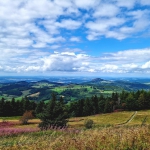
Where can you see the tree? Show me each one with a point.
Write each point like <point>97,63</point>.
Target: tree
<point>54,115</point>
<point>40,107</point>
<point>26,116</point>
<point>95,104</point>
<point>131,102</point>
<point>101,103</point>
<point>87,107</point>
<point>108,106</point>
<point>2,103</point>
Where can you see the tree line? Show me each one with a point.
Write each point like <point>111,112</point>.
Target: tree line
<point>125,100</point>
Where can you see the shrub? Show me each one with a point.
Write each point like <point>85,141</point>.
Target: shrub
<point>88,123</point>
<point>26,116</point>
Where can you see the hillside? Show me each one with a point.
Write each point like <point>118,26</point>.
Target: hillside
<point>71,91</point>
<point>106,134</point>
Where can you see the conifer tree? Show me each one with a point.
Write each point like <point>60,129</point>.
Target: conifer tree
<point>54,115</point>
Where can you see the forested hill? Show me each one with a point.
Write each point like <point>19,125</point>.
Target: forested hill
<point>69,90</point>
<point>138,100</point>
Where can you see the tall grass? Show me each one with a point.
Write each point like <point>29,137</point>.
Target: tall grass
<point>112,138</point>
<point>106,135</point>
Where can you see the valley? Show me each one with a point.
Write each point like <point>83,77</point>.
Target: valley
<point>70,89</point>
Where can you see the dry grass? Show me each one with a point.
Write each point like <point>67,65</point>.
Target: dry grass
<point>140,116</point>
<point>102,119</point>
<point>131,137</point>
<point>112,138</point>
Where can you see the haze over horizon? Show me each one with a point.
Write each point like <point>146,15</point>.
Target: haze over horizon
<point>75,37</point>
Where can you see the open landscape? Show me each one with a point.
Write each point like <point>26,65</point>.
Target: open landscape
<point>96,114</point>
<point>69,88</point>
<point>109,131</point>
<point>74,74</point>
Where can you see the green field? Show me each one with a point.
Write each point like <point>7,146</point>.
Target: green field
<point>70,92</point>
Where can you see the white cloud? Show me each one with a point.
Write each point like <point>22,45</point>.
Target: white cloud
<point>75,39</point>
<point>69,24</point>
<point>130,66</point>
<point>130,56</point>
<point>125,3</point>
<point>26,23</point>
<point>145,2</point>
<point>129,61</point>
<point>86,4</point>
<point>140,24</point>
<point>146,65</point>
<point>65,61</point>
<point>102,27</point>
<point>30,30</point>
<point>106,10</point>
<point>109,68</point>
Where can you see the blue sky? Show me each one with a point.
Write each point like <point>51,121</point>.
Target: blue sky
<point>75,37</point>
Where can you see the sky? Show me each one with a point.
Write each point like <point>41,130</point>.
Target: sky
<point>75,37</point>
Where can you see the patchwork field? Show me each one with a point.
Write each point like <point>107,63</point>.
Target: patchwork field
<point>70,91</point>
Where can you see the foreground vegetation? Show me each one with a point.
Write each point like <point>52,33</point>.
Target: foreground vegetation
<point>125,130</point>
<point>118,138</point>
<point>106,134</point>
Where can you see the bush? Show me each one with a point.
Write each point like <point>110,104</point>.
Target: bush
<point>26,116</point>
<point>88,123</point>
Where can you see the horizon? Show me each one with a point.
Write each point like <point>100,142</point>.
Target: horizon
<point>75,38</point>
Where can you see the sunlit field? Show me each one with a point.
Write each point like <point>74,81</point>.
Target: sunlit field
<point>110,131</point>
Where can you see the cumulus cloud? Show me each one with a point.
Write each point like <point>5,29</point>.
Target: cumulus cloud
<point>65,61</point>
<point>28,23</point>
<point>129,61</point>
<point>102,26</point>
<point>106,10</point>
<point>30,30</point>
<point>146,65</point>
<point>111,21</point>
<point>69,24</point>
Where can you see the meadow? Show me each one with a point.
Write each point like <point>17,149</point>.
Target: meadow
<point>106,134</point>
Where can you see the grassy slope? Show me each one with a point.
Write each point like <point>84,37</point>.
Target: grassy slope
<point>101,137</point>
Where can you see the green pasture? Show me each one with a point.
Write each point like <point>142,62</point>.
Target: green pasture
<point>73,87</point>
<point>26,92</point>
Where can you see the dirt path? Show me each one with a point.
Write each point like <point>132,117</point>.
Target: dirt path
<point>129,120</point>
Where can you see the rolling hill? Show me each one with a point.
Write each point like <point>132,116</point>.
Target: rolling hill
<point>42,89</point>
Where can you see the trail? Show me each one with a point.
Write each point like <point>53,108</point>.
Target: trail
<point>131,117</point>
<point>129,120</point>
